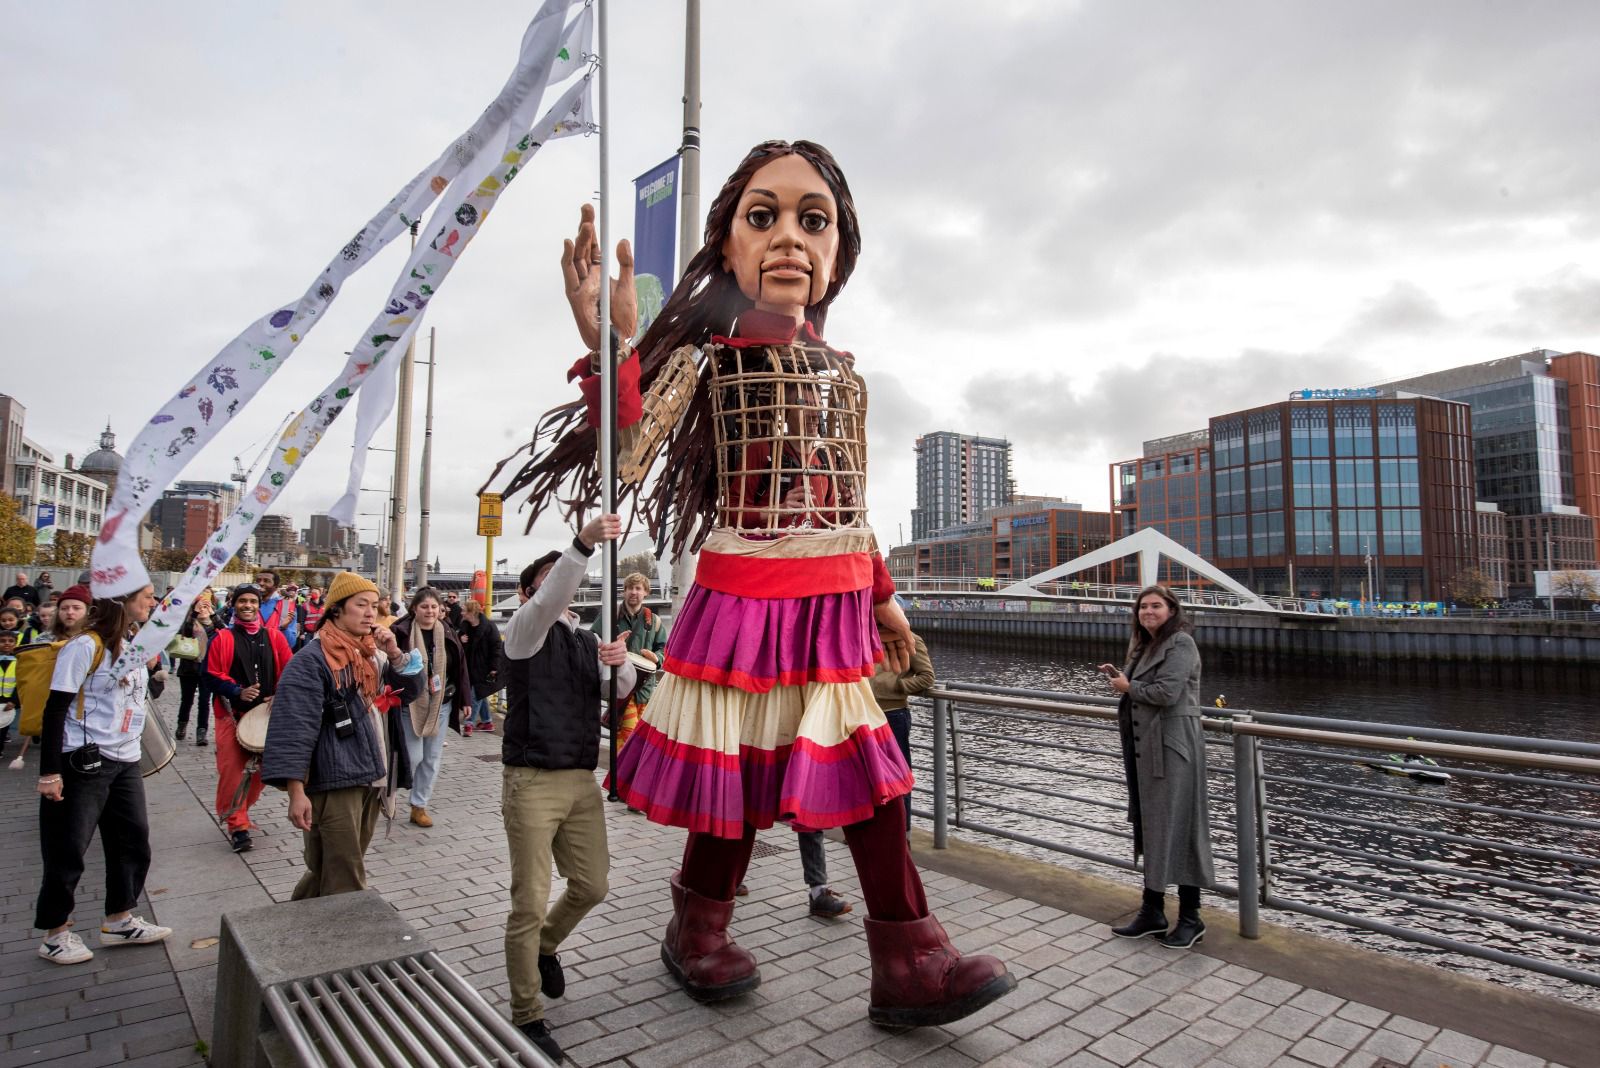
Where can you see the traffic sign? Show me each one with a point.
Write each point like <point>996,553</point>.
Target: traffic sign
<point>488,515</point>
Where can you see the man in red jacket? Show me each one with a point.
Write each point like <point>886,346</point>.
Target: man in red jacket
<point>244,662</point>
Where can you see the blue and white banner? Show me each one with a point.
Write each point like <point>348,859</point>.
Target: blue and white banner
<point>45,517</point>
<point>655,238</point>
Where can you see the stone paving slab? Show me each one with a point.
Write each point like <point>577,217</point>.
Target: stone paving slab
<point>1084,997</point>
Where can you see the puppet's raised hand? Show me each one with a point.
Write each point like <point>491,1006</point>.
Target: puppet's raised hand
<point>582,268</point>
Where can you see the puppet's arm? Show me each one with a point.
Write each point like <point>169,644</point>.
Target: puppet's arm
<point>643,422</point>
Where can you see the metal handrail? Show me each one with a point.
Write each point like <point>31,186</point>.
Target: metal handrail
<point>1300,737</point>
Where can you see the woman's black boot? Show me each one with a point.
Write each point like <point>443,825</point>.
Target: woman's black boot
<point>1151,919</point>
<point>1189,929</point>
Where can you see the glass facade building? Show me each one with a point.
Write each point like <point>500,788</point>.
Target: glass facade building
<point>1338,498</point>
<point>1168,488</point>
<point>1536,443</point>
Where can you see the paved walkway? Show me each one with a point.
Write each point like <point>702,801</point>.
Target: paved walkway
<point>1085,998</point>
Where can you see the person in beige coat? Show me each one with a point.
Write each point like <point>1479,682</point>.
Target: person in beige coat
<point>445,697</point>
<point>1164,754</point>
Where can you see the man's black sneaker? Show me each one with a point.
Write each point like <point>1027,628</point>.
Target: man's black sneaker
<point>540,1036</point>
<point>829,905</point>
<point>200,736</point>
<point>552,980</point>
<point>181,732</point>
<point>240,840</point>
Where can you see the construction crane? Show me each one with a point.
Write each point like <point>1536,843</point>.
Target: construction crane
<point>240,475</point>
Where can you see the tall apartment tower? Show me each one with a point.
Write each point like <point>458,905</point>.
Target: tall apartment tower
<point>959,476</point>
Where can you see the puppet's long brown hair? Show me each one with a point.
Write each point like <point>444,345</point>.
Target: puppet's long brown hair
<point>706,301</point>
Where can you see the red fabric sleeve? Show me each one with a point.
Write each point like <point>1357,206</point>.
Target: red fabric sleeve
<point>882,584</point>
<point>219,657</point>
<point>630,406</point>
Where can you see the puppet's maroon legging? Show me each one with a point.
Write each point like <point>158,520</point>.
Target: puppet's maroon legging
<point>713,867</point>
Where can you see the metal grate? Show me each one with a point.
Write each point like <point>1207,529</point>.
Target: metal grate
<point>762,849</point>
<point>413,1012</point>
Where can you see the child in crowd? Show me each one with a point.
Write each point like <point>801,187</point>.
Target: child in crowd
<point>8,684</point>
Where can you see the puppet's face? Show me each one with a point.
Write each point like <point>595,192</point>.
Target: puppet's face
<point>784,242</point>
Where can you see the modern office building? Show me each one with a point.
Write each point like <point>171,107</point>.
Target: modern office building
<point>1558,540</point>
<point>1343,497</point>
<point>964,552</point>
<point>190,512</point>
<point>1536,442</point>
<point>959,477</point>
<point>1492,559</point>
<point>1034,536</point>
<point>326,536</point>
<point>1169,488</point>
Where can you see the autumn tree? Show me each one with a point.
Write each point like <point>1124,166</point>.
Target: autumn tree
<point>67,550</point>
<point>1574,585</point>
<point>16,533</point>
<point>643,563</point>
<point>1472,586</point>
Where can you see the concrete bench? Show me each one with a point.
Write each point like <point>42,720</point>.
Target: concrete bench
<point>345,981</point>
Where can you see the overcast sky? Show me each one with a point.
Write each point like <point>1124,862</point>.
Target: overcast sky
<point>1085,224</point>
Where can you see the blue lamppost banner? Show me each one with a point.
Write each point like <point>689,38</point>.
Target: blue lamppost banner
<point>46,517</point>
<point>655,238</point>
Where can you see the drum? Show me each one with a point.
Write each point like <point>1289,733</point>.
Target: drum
<point>641,662</point>
<point>157,747</point>
<point>252,731</point>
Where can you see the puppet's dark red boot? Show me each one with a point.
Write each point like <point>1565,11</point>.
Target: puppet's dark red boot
<point>699,953</point>
<point>919,979</point>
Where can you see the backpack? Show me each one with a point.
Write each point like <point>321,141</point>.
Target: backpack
<point>36,666</point>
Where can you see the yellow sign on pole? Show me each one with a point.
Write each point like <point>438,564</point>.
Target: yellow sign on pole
<point>488,515</point>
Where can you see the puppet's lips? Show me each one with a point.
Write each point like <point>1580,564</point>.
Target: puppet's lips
<point>787,265</point>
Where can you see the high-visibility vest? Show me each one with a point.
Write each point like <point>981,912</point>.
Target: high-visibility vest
<point>8,677</point>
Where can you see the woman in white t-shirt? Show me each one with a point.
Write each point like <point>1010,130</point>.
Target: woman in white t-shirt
<point>89,777</point>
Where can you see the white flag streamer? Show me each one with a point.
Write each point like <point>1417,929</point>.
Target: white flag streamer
<point>379,399</point>
<point>578,120</point>
<point>168,442</point>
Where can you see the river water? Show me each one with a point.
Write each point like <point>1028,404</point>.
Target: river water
<point>1327,802</point>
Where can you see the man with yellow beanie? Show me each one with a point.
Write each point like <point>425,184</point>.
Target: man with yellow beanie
<point>335,740</point>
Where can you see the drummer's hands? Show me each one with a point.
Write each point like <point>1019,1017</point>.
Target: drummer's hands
<point>615,654</point>
<point>582,267</point>
<point>899,643</point>
<point>251,692</point>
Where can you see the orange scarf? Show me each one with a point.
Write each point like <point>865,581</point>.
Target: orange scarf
<point>343,650</point>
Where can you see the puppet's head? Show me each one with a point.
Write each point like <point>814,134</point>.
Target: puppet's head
<point>712,282</point>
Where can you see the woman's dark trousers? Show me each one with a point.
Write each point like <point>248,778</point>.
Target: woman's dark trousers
<point>111,799</point>
<point>190,687</point>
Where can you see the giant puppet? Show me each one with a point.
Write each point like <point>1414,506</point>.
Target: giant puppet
<point>765,713</point>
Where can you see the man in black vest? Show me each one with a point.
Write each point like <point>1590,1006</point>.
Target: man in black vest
<point>550,802</point>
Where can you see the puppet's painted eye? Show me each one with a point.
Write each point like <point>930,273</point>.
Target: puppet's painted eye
<point>761,218</point>
<point>815,222</point>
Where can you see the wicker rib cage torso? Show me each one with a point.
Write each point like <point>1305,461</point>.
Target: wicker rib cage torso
<point>791,437</point>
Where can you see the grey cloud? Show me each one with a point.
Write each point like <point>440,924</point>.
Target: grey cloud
<point>1567,306</point>
<point>1127,405</point>
<point>1106,147</point>
<point>1405,309</point>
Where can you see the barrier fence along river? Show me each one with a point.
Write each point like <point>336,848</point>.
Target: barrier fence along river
<point>1501,864</point>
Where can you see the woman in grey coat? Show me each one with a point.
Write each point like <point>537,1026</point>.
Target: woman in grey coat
<point>1164,754</point>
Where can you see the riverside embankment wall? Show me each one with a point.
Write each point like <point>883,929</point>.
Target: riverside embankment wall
<point>1353,638</point>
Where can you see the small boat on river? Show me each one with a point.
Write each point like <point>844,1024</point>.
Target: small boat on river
<point>1424,769</point>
